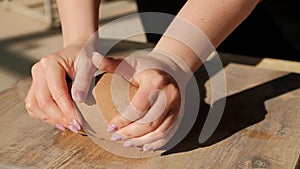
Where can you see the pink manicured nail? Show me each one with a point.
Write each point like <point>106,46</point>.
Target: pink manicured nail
<point>127,144</point>
<point>97,58</point>
<point>73,129</point>
<point>147,149</point>
<point>116,137</point>
<point>80,96</point>
<point>76,124</point>
<point>60,127</point>
<point>111,128</point>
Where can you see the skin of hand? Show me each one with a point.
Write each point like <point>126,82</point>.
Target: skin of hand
<point>146,122</point>
<point>49,97</point>
<point>216,19</point>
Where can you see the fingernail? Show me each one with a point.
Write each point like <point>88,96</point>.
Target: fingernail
<point>76,124</point>
<point>80,96</point>
<point>111,128</point>
<point>147,149</point>
<point>115,137</point>
<point>73,129</point>
<point>127,144</point>
<point>60,127</point>
<point>97,58</point>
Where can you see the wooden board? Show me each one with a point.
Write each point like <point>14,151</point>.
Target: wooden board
<point>259,129</point>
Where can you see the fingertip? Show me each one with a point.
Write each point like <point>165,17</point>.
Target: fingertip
<point>60,127</point>
<point>112,128</point>
<point>97,58</point>
<point>154,145</point>
<point>147,148</point>
<point>128,144</point>
<point>117,123</point>
<point>79,96</point>
<point>76,124</point>
<point>84,76</point>
<point>116,137</point>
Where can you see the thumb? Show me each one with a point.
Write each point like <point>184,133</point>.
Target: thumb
<point>111,65</point>
<point>104,63</point>
<point>85,71</point>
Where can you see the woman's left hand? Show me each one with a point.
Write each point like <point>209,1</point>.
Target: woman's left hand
<point>152,117</point>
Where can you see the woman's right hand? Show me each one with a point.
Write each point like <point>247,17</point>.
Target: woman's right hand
<point>49,97</point>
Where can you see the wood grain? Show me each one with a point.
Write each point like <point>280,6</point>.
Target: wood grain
<point>259,129</point>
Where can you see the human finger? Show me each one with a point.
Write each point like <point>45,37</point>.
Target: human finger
<point>32,104</point>
<point>84,72</point>
<point>47,104</point>
<point>45,99</point>
<point>137,108</point>
<point>61,102</point>
<point>33,108</point>
<point>158,137</point>
<point>114,65</point>
<point>150,122</point>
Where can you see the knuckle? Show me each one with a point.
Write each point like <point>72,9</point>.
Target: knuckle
<point>29,105</point>
<point>48,121</point>
<point>35,68</point>
<point>128,134</point>
<point>44,61</point>
<point>149,127</point>
<point>48,60</point>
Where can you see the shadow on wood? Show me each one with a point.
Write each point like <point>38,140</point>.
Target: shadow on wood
<point>242,109</point>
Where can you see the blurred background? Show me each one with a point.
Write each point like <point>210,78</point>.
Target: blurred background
<point>30,29</point>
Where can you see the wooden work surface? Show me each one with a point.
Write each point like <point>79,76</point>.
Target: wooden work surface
<point>259,129</point>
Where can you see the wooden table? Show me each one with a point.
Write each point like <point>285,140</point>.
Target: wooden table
<point>259,129</point>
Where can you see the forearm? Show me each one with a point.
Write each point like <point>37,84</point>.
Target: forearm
<point>79,19</point>
<point>215,18</point>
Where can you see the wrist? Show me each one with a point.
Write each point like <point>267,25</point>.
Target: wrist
<point>81,40</point>
<point>187,42</point>
<point>172,65</point>
<point>179,51</point>
<point>88,45</point>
